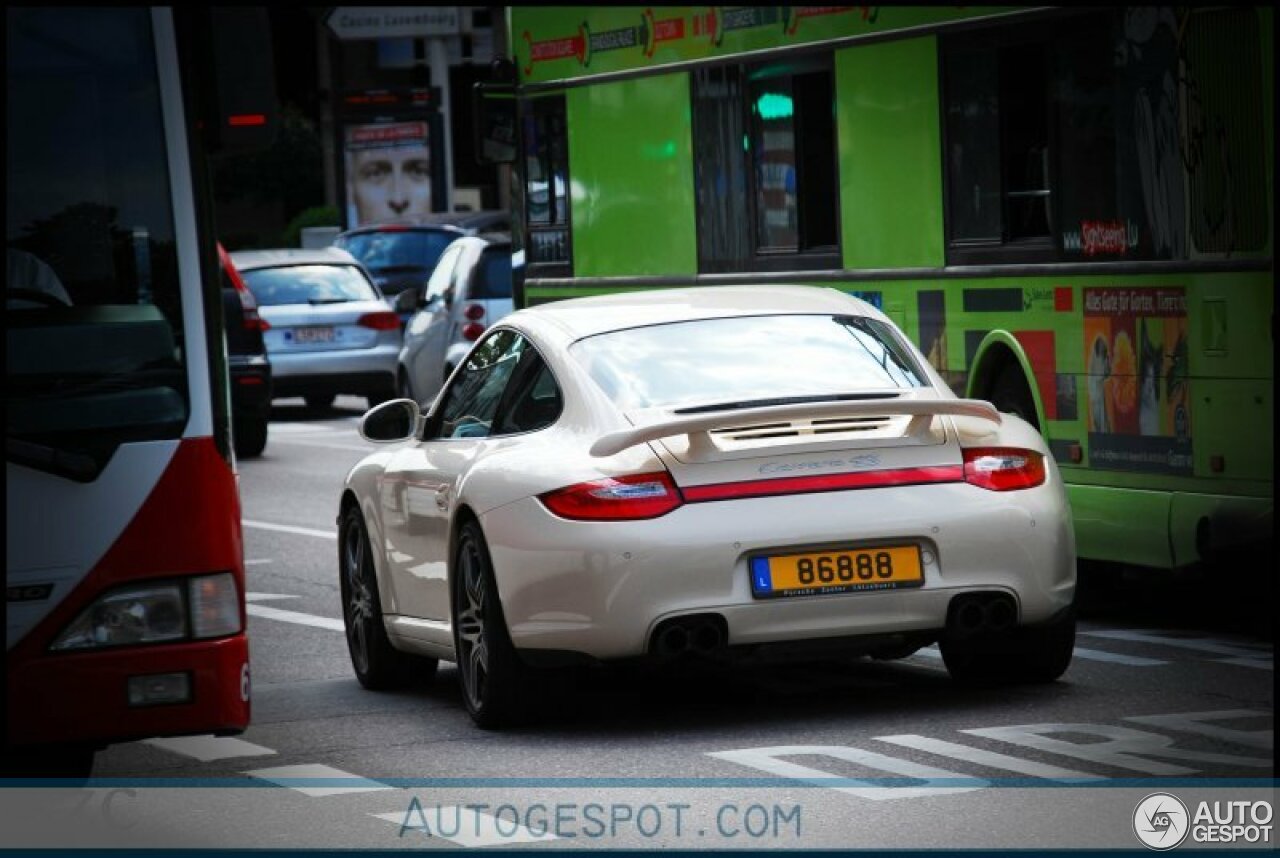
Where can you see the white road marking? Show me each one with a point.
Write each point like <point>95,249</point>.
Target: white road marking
<point>1122,747</point>
<point>1256,663</point>
<point>264,597</point>
<point>282,775</point>
<point>297,617</point>
<point>1079,652</point>
<point>767,760</point>
<point>255,562</point>
<point>464,826</point>
<point>990,759</point>
<point>289,528</point>
<point>315,429</point>
<point>210,747</point>
<point>1194,722</point>
<point>1116,658</point>
<point>1214,646</point>
<point>369,448</point>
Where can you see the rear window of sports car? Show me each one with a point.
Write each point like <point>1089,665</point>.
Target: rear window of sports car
<point>746,359</point>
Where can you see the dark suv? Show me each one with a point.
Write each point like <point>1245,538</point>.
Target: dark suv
<point>247,362</point>
<point>403,254</point>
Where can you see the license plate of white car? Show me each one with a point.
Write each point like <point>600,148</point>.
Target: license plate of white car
<point>313,335</point>
<point>814,573</point>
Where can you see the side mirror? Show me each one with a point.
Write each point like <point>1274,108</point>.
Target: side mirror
<point>396,420</point>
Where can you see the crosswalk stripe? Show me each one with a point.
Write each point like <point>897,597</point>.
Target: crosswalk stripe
<point>289,776</point>
<point>209,747</point>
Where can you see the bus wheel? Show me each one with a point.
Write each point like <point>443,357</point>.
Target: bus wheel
<point>1011,394</point>
<point>378,665</point>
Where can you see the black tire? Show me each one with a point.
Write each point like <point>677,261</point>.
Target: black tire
<point>377,664</point>
<point>496,684</point>
<point>73,762</point>
<point>250,436</point>
<point>1028,654</point>
<point>320,400</point>
<point>1010,394</point>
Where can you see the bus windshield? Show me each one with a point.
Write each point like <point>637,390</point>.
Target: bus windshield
<point>94,329</point>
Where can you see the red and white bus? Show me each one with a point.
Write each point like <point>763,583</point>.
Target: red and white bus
<point>124,560</point>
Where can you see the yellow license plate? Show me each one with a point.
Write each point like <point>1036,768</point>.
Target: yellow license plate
<point>884,567</point>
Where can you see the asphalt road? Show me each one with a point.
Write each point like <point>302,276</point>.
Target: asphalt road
<point>1171,690</point>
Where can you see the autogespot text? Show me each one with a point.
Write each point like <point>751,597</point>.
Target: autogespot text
<point>600,820</point>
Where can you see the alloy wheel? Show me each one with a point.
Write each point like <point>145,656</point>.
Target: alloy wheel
<point>473,649</point>
<point>359,602</point>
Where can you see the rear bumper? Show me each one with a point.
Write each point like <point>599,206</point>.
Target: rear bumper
<point>602,588</point>
<point>355,384</point>
<point>84,697</point>
<point>287,368</point>
<point>359,372</point>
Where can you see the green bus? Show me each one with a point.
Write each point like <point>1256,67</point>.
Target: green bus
<point>1069,210</point>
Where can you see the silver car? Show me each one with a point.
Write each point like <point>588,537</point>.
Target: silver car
<point>469,290</point>
<point>330,329</point>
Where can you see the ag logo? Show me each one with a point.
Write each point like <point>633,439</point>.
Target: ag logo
<point>1161,821</point>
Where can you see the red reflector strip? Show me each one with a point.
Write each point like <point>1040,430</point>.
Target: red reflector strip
<point>243,119</point>
<point>823,483</point>
<point>249,379</point>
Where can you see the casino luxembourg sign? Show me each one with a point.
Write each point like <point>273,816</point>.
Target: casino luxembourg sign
<point>389,22</point>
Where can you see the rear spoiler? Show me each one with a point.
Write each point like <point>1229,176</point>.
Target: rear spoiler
<point>669,423</point>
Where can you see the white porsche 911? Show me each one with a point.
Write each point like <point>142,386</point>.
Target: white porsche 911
<point>725,471</point>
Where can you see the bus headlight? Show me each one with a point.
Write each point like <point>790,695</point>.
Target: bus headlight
<point>155,613</point>
<point>133,615</point>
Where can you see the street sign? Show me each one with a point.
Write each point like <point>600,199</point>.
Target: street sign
<point>386,22</point>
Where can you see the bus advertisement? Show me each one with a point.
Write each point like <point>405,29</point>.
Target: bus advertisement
<point>1069,210</point>
<point>124,577</point>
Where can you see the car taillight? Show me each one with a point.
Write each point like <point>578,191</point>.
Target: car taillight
<point>474,312</point>
<point>1003,469</point>
<point>380,321</point>
<point>472,331</point>
<point>616,498</point>
<point>250,318</point>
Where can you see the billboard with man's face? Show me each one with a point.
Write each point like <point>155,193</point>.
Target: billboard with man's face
<point>388,167</point>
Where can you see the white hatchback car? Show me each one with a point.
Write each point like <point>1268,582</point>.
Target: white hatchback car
<point>469,290</point>
<point>724,471</point>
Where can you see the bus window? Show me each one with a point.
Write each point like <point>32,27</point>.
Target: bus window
<point>546,163</point>
<point>88,194</point>
<point>766,187</point>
